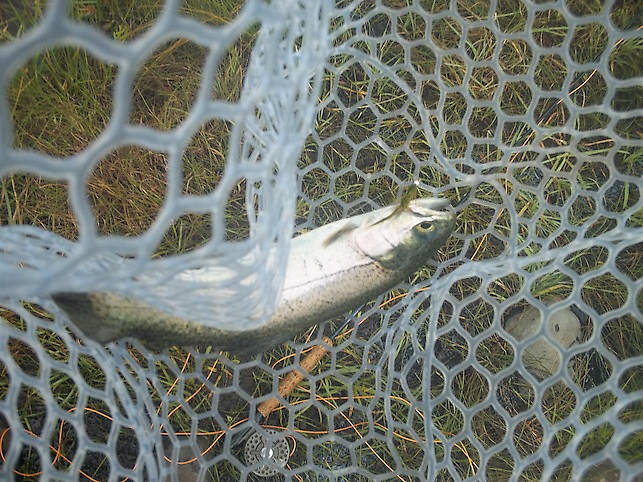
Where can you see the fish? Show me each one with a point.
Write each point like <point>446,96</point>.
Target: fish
<point>330,270</point>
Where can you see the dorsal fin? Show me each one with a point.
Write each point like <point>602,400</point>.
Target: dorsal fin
<point>410,194</point>
<point>335,235</point>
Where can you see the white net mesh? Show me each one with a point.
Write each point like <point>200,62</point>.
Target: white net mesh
<point>533,107</point>
<point>265,141</point>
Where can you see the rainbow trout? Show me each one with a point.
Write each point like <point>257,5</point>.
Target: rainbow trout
<point>330,270</point>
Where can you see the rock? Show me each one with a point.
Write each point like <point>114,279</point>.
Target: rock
<point>542,358</point>
<point>604,471</point>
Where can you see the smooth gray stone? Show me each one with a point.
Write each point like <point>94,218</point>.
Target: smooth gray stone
<point>542,358</point>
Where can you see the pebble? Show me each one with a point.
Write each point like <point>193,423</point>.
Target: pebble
<point>542,358</point>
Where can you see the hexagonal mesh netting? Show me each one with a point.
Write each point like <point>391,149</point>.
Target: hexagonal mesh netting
<point>137,143</point>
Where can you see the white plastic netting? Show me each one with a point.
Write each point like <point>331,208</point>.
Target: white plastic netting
<point>265,142</point>
<point>534,107</point>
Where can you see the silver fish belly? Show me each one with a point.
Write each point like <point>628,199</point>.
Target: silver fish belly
<point>331,270</point>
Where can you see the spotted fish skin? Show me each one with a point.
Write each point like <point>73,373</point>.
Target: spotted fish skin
<point>330,270</point>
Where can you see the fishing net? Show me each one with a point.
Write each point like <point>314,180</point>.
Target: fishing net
<point>528,113</point>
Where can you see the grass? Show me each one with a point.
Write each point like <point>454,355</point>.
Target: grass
<point>61,99</point>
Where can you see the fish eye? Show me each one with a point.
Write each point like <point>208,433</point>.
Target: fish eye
<point>425,226</point>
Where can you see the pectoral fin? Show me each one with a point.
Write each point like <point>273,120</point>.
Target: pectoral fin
<point>338,234</point>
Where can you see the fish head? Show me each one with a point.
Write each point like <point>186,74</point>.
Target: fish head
<point>407,238</point>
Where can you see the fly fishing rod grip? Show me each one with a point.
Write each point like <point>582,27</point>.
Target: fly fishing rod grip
<point>288,384</point>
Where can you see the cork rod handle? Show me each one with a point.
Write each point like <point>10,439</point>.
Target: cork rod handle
<point>290,382</point>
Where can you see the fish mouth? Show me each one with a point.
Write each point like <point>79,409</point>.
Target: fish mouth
<point>445,219</point>
<point>429,204</point>
<point>438,209</point>
<point>450,222</point>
